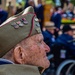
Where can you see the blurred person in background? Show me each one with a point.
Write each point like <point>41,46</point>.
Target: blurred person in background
<point>49,39</point>
<point>3,15</point>
<point>66,39</point>
<point>48,33</point>
<point>63,2</point>
<point>19,8</point>
<point>10,9</point>
<point>39,10</point>
<point>29,3</point>
<point>26,3</point>
<point>56,18</point>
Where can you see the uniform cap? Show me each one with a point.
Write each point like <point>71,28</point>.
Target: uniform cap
<point>17,28</point>
<point>49,25</point>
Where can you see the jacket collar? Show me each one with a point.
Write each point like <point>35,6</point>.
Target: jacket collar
<point>5,61</point>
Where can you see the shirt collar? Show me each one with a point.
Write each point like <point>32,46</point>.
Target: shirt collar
<point>5,61</point>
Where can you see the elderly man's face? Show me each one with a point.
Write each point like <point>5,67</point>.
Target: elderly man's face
<point>35,51</point>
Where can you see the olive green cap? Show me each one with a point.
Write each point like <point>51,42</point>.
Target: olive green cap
<point>17,28</point>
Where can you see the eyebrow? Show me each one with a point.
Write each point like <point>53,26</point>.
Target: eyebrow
<point>41,38</point>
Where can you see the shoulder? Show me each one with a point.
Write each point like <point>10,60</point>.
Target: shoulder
<point>18,69</point>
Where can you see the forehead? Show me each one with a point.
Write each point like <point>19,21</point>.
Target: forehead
<point>33,38</point>
<point>37,36</point>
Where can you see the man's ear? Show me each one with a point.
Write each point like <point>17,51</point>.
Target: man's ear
<point>19,55</point>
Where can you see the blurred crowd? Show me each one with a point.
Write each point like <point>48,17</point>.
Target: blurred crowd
<point>51,29</point>
<point>64,7</point>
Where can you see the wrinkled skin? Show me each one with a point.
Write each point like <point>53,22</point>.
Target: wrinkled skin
<point>34,51</point>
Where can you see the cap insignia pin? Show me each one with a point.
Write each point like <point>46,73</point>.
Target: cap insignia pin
<point>24,21</point>
<point>15,25</point>
<point>20,23</point>
<point>36,19</point>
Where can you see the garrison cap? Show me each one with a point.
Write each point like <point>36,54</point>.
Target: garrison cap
<point>17,28</point>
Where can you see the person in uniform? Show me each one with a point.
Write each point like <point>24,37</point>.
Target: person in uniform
<point>56,18</point>
<point>22,49</point>
<point>48,33</point>
<point>67,39</point>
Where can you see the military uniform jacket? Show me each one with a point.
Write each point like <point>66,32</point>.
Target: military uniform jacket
<point>17,69</point>
<point>7,68</point>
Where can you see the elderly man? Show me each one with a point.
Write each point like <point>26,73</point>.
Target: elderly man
<point>22,45</point>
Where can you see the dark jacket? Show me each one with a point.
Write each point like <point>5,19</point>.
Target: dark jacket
<point>3,16</point>
<point>56,18</point>
<point>48,38</point>
<point>67,41</point>
<point>8,68</point>
<point>39,10</point>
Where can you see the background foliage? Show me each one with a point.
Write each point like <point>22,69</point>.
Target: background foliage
<point>73,1</point>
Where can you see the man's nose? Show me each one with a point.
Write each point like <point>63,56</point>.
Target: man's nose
<point>47,48</point>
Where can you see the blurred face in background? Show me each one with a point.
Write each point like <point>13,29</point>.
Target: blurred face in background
<point>31,3</point>
<point>39,1</point>
<point>70,32</point>
<point>51,30</point>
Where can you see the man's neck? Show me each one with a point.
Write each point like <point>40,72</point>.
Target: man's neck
<point>10,58</point>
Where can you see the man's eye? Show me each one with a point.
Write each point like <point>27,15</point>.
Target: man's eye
<point>40,41</point>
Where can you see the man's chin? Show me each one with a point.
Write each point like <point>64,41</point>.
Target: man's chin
<point>46,64</point>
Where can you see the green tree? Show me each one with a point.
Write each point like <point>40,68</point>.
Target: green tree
<point>49,1</point>
<point>73,1</point>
